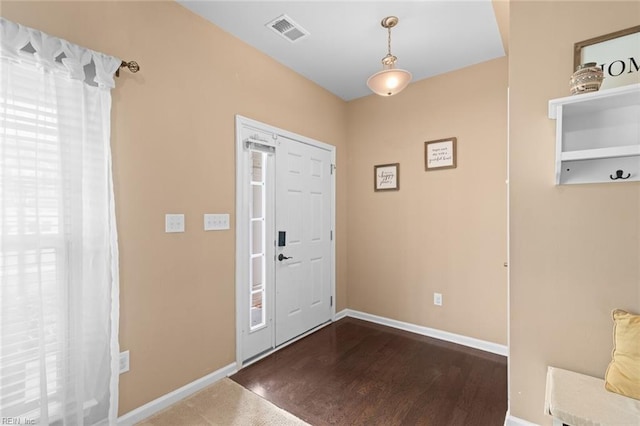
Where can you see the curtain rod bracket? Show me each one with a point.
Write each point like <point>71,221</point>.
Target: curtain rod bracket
<point>131,65</point>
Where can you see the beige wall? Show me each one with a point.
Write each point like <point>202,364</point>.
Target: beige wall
<point>574,249</point>
<point>173,148</point>
<point>443,231</point>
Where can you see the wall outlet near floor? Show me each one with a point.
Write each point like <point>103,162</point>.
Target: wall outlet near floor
<point>437,299</point>
<point>124,362</point>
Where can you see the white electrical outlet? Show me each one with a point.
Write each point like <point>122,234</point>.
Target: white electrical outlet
<point>124,362</point>
<point>437,299</point>
<point>216,222</point>
<point>174,223</point>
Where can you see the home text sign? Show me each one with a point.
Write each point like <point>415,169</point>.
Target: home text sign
<point>440,154</point>
<point>618,54</point>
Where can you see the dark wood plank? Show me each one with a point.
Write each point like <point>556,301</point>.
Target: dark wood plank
<point>357,373</point>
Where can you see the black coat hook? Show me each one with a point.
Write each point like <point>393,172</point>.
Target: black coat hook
<point>619,175</point>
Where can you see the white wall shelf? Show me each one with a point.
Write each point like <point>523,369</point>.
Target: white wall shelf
<point>597,134</point>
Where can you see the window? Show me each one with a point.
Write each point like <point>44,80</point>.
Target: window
<point>31,248</point>
<point>257,273</point>
<point>58,250</point>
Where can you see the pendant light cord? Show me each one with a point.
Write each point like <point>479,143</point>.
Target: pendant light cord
<point>389,41</point>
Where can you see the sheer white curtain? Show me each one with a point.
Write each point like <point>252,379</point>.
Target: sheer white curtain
<point>58,247</point>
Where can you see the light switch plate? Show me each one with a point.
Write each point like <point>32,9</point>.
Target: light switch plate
<point>437,299</point>
<point>216,221</point>
<point>174,223</point>
<point>124,362</point>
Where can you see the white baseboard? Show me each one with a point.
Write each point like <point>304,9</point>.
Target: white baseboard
<point>151,408</point>
<point>340,315</point>
<point>515,421</point>
<point>426,331</point>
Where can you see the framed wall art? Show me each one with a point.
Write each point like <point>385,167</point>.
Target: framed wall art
<point>440,154</point>
<point>386,177</point>
<point>617,53</point>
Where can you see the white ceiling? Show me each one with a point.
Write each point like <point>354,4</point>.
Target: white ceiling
<point>347,42</point>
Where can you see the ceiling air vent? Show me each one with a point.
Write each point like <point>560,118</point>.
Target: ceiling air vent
<point>287,28</point>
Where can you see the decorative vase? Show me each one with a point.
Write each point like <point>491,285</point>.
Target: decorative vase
<point>587,78</point>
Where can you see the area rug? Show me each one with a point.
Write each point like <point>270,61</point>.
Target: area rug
<point>223,403</point>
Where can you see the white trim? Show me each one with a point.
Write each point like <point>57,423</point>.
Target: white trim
<point>426,331</point>
<point>508,301</point>
<point>342,314</point>
<point>334,223</point>
<point>515,421</point>
<point>151,408</point>
<point>241,244</point>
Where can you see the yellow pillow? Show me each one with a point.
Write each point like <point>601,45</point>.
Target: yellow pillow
<point>623,373</point>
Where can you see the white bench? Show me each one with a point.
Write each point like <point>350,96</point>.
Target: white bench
<point>578,400</point>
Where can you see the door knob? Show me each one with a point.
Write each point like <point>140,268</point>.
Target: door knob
<point>282,257</point>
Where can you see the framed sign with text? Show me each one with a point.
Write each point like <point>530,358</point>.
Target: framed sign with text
<point>617,53</point>
<point>440,154</point>
<point>386,177</point>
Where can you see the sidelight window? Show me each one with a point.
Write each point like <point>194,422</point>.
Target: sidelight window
<point>257,273</point>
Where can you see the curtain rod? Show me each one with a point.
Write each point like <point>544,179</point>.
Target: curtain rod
<point>131,65</point>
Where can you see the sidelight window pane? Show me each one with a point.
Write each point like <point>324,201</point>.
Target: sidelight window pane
<point>257,287</point>
<point>256,273</point>
<point>256,201</point>
<point>257,233</point>
<point>257,164</point>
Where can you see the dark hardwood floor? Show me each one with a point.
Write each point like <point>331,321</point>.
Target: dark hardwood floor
<point>354,372</point>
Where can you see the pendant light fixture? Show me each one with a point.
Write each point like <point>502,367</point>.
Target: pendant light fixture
<point>390,80</point>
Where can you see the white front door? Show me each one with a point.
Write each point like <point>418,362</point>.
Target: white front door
<point>284,206</point>
<point>303,238</point>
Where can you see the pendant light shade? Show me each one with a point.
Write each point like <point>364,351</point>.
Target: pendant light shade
<point>390,80</point>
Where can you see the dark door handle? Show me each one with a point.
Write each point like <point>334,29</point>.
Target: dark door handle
<point>282,257</point>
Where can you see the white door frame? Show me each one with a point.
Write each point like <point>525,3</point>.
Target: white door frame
<point>242,218</point>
